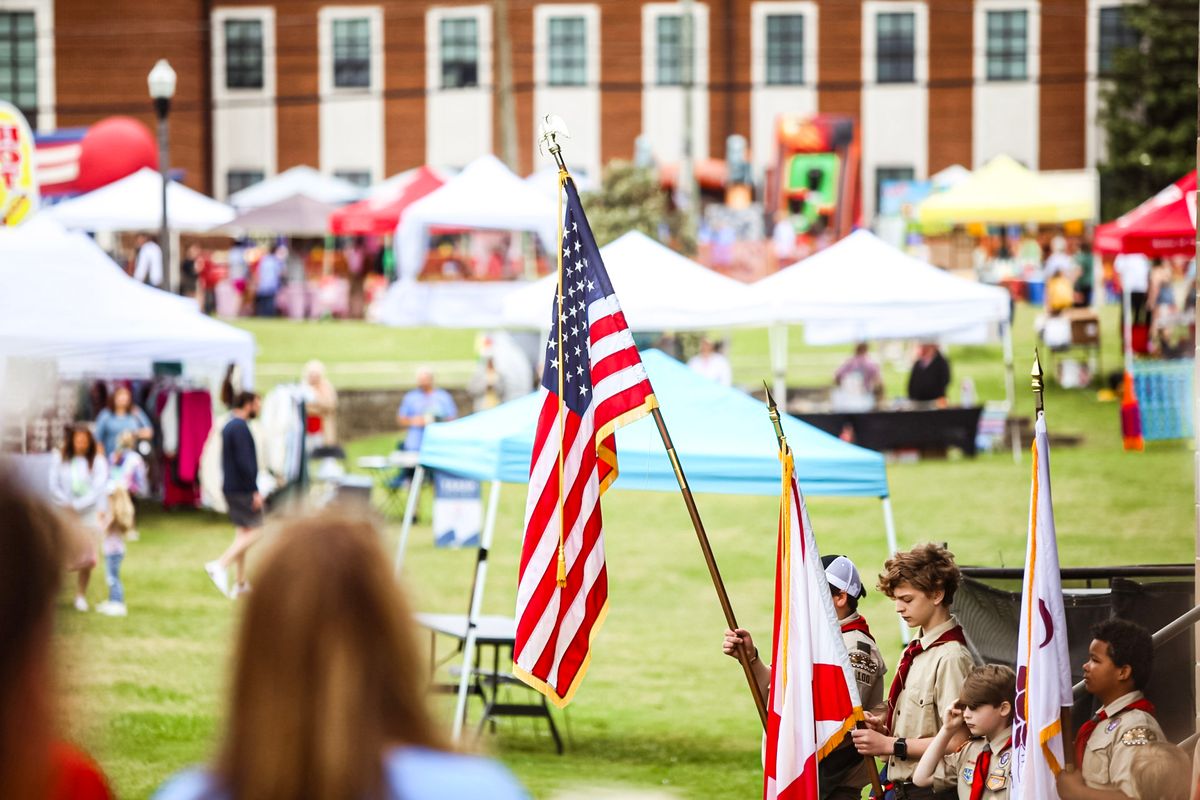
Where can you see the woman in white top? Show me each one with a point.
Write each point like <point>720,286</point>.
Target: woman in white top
<point>79,483</point>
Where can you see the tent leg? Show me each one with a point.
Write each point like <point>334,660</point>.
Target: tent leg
<point>889,524</point>
<point>1010,394</point>
<point>485,544</point>
<point>410,511</point>
<point>778,345</point>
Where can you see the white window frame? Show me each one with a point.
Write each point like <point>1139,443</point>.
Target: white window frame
<point>43,26</point>
<point>325,20</point>
<point>265,15</point>
<point>871,9</point>
<point>433,45</point>
<point>1033,34</point>
<point>1094,81</point>
<point>758,41</point>
<point>542,14</point>
<point>650,14</point>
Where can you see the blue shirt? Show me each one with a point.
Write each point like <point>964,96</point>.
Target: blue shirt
<point>410,773</point>
<point>418,403</point>
<point>269,270</point>
<point>110,426</point>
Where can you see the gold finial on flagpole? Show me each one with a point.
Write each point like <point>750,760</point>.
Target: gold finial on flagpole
<point>773,413</point>
<point>1039,387</point>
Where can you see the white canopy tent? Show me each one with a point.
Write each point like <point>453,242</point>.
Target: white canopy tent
<point>660,290</point>
<point>297,180</point>
<point>862,288</point>
<point>486,194</point>
<point>134,203</point>
<point>66,302</point>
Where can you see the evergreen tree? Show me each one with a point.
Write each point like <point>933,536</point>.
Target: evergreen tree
<point>1148,104</point>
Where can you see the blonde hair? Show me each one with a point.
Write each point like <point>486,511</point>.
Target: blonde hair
<point>1161,771</point>
<point>121,506</point>
<point>327,673</point>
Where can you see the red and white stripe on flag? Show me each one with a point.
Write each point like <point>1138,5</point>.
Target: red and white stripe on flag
<point>1043,663</point>
<point>593,382</point>
<point>814,700</point>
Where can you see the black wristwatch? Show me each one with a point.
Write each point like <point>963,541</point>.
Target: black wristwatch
<point>900,748</point>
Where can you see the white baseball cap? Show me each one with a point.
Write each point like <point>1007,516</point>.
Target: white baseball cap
<point>842,574</point>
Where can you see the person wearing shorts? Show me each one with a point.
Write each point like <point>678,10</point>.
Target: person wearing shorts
<point>239,460</point>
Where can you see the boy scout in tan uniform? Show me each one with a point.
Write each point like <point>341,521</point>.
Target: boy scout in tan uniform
<point>1120,659</point>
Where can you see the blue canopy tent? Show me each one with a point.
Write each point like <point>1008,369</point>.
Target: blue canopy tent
<point>722,436</point>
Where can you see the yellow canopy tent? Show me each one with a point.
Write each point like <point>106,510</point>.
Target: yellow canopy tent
<point>1004,192</point>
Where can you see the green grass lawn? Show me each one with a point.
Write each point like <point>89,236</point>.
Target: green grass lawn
<point>661,708</point>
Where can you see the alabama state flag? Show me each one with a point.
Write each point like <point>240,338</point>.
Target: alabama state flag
<point>814,700</point>
<point>1043,665</point>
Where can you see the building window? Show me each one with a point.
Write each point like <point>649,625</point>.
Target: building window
<point>360,178</point>
<point>243,54</point>
<point>1007,45</point>
<point>238,179</point>
<point>895,47</point>
<point>568,51</point>
<point>887,175</point>
<point>785,49</point>
<point>669,51</point>
<point>1115,34</point>
<point>352,53</point>
<point>460,53</point>
<point>18,62</point>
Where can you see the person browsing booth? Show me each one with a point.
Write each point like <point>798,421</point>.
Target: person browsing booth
<point>843,773</point>
<point>931,673</point>
<point>1119,664</point>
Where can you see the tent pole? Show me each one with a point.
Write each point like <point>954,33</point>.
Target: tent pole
<point>889,524</point>
<point>485,544</point>
<point>777,342</point>
<point>410,511</point>
<point>1010,394</point>
<point>710,560</point>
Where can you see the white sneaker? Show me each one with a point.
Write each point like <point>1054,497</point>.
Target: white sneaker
<point>219,575</point>
<point>111,609</point>
<point>81,603</point>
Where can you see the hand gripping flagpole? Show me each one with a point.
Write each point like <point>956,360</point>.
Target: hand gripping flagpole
<point>552,127</point>
<point>1037,382</point>
<point>777,421</point>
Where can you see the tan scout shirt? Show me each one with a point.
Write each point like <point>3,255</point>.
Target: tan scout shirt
<point>1114,743</point>
<point>869,671</point>
<point>959,768</point>
<point>933,685</point>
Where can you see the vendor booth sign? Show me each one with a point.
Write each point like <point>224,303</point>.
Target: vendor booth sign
<point>18,181</point>
<point>457,510</point>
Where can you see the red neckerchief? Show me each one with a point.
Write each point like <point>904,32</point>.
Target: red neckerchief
<point>1085,730</point>
<point>859,624</point>
<point>914,649</point>
<point>982,765</point>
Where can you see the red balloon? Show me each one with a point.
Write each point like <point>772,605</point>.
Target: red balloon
<point>113,148</point>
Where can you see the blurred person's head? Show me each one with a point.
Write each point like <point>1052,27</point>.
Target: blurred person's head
<point>80,441</point>
<point>246,405</point>
<point>706,346</point>
<point>424,379</point>
<point>314,373</point>
<point>327,652</point>
<point>121,400</point>
<point>845,584</point>
<point>32,559</point>
<point>126,441</point>
<point>861,349</point>
<point>1161,771</point>
<point>927,350</point>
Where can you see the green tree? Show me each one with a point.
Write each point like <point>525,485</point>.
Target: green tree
<point>1148,104</point>
<point>631,199</point>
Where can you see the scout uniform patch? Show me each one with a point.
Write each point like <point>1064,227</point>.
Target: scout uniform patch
<point>968,774</point>
<point>1138,736</point>
<point>1112,726</point>
<point>997,780</point>
<point>1004,758</point>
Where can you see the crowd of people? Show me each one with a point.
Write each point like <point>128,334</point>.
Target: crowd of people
<point>945,728</point>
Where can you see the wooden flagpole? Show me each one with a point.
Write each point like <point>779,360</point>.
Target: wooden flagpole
<point>773,412</point>
<point>552,127</point>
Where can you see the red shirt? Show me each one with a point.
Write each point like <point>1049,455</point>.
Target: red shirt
<point>76,776</point>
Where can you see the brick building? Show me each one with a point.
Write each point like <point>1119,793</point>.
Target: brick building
<point>367,89</point>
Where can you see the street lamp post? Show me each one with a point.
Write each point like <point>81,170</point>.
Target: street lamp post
<point>162,88</point>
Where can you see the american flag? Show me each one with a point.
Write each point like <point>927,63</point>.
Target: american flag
<point>603,386</point>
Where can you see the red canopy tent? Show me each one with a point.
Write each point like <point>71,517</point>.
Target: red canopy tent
<point>1164,225</point>
<point>379,215</point>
